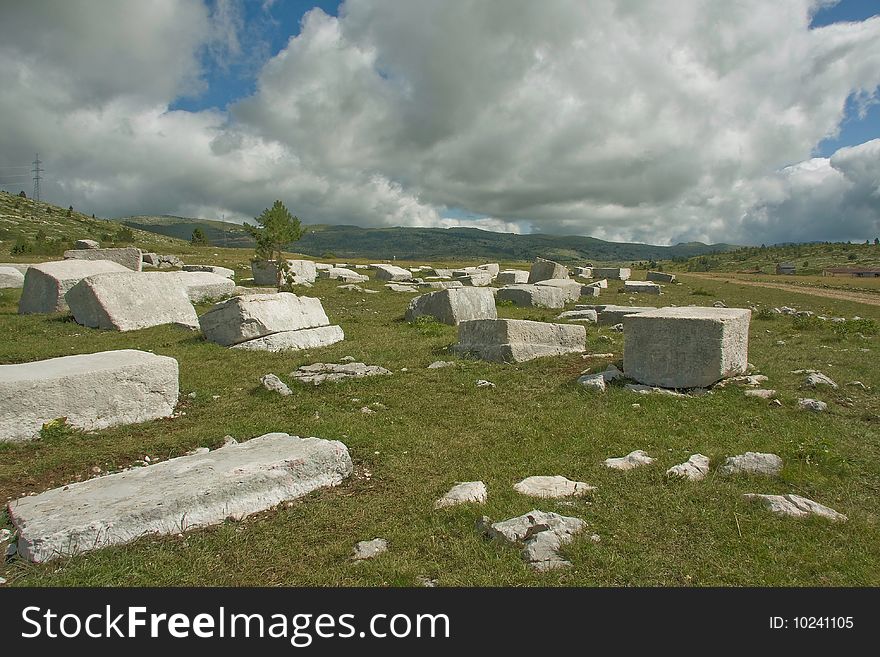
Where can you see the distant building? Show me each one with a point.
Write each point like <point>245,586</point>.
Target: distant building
<point>785,268</point>
<point>855,272</point>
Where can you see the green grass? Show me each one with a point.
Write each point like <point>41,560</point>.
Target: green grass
<point>439,428</point>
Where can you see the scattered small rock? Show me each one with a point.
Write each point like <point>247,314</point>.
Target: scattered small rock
<point>421,580</point>
<point>647,390</point>
<point>347,359</point>
<point>812,405</point>
<point>366,410</point>
<point>752,463</point>
<point>437,364</point>
<point>540,533</point>
<point>795,506</point>
<point>274,384</point>
<point>857,384</point>
<point>551,486</point>
<point>719,304</point>
<point>369,549</point>
<point>592,381</point>
<point>618,328</point>
<point>482,383</point>
<point>695,468</point>
<point>761,393</point>
<point>462,493</point>
<point>818,379</point>
<point>630,461</point>
<point>319,373</point>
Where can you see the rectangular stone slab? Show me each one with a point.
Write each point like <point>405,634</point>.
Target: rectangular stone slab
<point>518,340</point>
<point>211,269</point>
<point>255,315</point>
<point>532,296</point>
<point>454,305</point>
<point>687,347</point>
<point>392,273</point>
<point>570,289</point>
<point>320,336</point>
<point>129,257</point>
<point>131,301</point>
<point>641,287</point>
<point>10,277</point>
<point>610,314</point>
<point>46,284</point>
<point>203,285</point>
<point>93,391</point>
<point>176,495</point>
<point>512,277</point>
<point>615,273</point>
<point>542,270</point>
<point>660,276</point>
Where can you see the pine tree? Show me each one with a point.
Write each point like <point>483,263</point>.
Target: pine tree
<point>198,238</point>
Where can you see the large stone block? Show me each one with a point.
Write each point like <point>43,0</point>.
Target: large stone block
<point>301,271</point>
<point>93,391</point>
<point>641,287</point>
<point>571,290</point>
<point>543,270</point>
<point>518,340</point>
<point>343,274</point>
<point>455,305</point>
<point>686,347</point>
<point>310,338</point>
<point>256,315</point>
<point>20,266</point>
<point>660,277</point>
<point>176,495</point>
<point>392,273</point>
<point>211,269</point>
<point>512,277</point>
<point>615,273</point>
<point>129,257</point>
<point>609,315</point>
<point>128,301</point>
<point>265,272</point>
<point>202,285</point>
<point>46,284</point>
<point>532,296</point>
<point>493,268</point>
<point>473,277</point>
<point>11,278</point>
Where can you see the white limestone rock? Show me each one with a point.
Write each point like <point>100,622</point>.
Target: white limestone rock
<point>641,287</point>
<point>92,391</point>
<point>396,287</point>
<point>437,364</point>
<point>311,338</point>
<point>532,296</point>
<point>610,314</point>
<point>552,486</point>
<point>541,534</point>
<point>45,284</point>
<point>319,373</point>
<point>761,393</point>
<point>225,272</point>
<point>588,316</point>
<point>512,277</point>
<point>129,301</point>
<point>129,257</point>
<point>203,285</point>
<point>695,468</point>
<point>632,460</point>
<point>273,384</point>
<point>453,306</point>
<point>592,381</point>
<point>392,273</point>
<point>815,379</point>
<point>252,316</point>
<point>463,493</point>
<point>176,495</point>
<point>86,244</point>
<point>686,347</point>
<point>795,506</point>
<point>813,405</point>
<point>343,274</point>
<point>571,290</point>
<point>517,340</point>
<point>543,270</point>
<point>660,277</point>
<point>614,273</point>
<point>11,278</point>
<point>369,549</point>
<point>752,463</point>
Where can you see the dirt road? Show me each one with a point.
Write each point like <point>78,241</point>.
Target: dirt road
<point>844,295</point>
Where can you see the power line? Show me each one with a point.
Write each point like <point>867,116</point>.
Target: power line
<point>37,171</point>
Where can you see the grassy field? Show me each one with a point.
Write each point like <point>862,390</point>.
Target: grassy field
<point>432,428</point>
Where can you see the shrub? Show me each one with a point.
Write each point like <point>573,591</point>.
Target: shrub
<point>853,326</point>
<point>765,314</point>
<point>807,322</point>
<point>700,292</point>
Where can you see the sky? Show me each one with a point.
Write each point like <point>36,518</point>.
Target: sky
<point>745,122</point>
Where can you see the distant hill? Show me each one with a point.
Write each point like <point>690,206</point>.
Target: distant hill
<point>429,243</point>
<point>40,229</point>
<point>808,258</point>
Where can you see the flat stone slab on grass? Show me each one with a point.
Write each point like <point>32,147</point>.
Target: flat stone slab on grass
<point>454,306</point>
<point>343,274</point>
<point>396,287</point>
<point>686,347</point>
<point>543,270</point>
<point>463,493</point>
<point>129,257</point>
<point>813,405</point>
<point>256,315</point>
<point>532,296</point>
<point>437,364</point>
<point>695,468</point>
<point>660,277</point>
<point>518,340</point>
<point>312,338</point>
<point>319,373</point>
<point>611,314</point>
<point>203,285</point>
<point>273,384</point>
<point>761,393</point>
<point>211,269</point>
<point>128,301</point>
<point>552,486</point>
<point>818,379</point>
<point>392,273</point>
<point>86,244</point>
<point>541,534</point>
<point>752,463</point>
<point>632,460</point>
<point>579,316</point>
<point>795,506</point>
<point>93,391</point>
<point>641,287</point>
<point>593,381</point>
<point>11,278</point>
<point>175,495</point>
<point>369,549</point>
<point>45,284</point>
